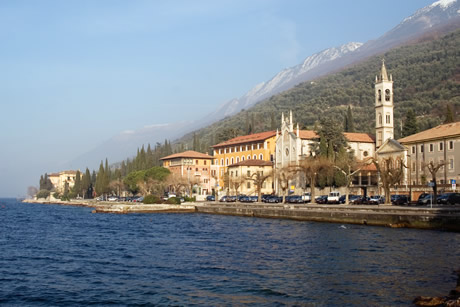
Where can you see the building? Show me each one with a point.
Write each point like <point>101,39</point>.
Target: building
<point>257,146</point>
<point>439,145</point>
<point>293,145</point>
<point>195,167</point>
<point>242,178</point>
<point>59,180</point>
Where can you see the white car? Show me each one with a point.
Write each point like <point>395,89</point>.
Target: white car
<point>306,197</point>
<point>333,198</point>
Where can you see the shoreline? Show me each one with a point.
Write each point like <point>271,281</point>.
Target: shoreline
<point>438,218</point>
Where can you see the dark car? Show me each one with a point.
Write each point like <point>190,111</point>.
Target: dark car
<point>239,197</point>
<point>244,199</point>
<point>223,199</point>
<point>254,199</point>
<point>355,199</point>
<point>424,199</point>
<point>449,199</point>
<point>362,200</point>
<point>231,199</point>
<point>321,199</point>
<point>265,197</point>
<point>342,198</point>
<point>274,199</point>
<point>210,198</point>
<point>399,200</point>
<point>294,199</point>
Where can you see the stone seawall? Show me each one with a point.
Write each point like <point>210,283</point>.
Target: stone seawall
<point>443,218</point>
<point>392,216</point>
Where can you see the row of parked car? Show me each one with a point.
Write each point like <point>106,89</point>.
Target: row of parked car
<point>442,199</point>
<point>134,199</point>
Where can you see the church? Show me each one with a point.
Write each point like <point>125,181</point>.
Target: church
<point>293,144</point>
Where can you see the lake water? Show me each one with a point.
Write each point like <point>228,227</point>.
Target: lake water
<point>66,256</point>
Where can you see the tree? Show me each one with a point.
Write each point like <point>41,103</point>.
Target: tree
<point>258,178</point>
<point>349,125</point>
<point>410,125</point>
<point>311,167</point>
<point>348,166</point>
<point>176,183</point>
<point>77,188</point>
<point>100,180</point>
<point>236,182</point>
<point>433,168</point>
<point>283,176</point>
<point>450,118</point>
<point>31,191</point>
<point>391,172</point>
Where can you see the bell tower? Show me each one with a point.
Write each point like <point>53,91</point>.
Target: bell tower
<point>383,107</point>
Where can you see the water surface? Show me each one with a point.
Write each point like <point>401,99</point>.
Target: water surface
<point>62,256</point>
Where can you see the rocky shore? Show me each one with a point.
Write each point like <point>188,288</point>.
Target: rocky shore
<point>451,300</point>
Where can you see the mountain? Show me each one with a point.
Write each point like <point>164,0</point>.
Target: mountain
<point>283,80</point>
<point>438,18</point>
<point>442,16</point>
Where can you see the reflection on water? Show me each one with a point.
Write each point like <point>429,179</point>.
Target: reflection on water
<point>52,255</point>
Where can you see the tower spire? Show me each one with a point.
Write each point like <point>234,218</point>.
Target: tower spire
<point>383,73</point>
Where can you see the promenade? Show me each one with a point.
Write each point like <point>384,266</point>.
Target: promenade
<point>442,218</point>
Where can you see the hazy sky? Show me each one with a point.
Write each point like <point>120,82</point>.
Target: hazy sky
<point>75,73</point>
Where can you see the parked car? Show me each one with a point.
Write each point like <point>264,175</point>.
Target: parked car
<point>274,199</point>
<point>376,200</point>
<point>424,199</point>
<point>223,199</point>
<point>231,199</point>
<point>294,199</point>
<point>239,197</point>
<point>306,197</point>
<point>342,198</point>
<point>138,199</point>
<point>265,197</point>
<point>399,200</point>
<point>254,199</point>
<point>244,199</point>
<point>321,199</point>
<point>449,199</point>
<point>210,198</point>
<point>113,198</point>
<point>356,199</point>
<point>333,197</point>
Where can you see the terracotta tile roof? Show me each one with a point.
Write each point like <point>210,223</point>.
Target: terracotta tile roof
<point>359,137</point>
<point>188,154</point>
<point>441,131</point>
<point>307,134</point>
<point>247,138</point>
<point>253,162</point>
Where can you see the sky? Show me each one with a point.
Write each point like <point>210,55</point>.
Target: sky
<point>75,73</point>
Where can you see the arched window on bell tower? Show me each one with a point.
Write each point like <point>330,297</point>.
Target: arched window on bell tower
<point>380,118</point>
<point>380,95</point>
<point>387,95</point>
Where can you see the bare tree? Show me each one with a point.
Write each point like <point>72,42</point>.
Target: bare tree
<point>391,172</point>
<point>349,168</point>
<point>176,183</point>
<point>117,185</point>
<point>283,175</point>
<point>258,179</point>
<point>311,167</point>
<point>433,168</point>
<point>236,182</point>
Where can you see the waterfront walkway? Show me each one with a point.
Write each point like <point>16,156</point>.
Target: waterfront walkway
<point>445,218</point>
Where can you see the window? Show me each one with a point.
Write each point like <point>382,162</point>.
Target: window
<point>413,166</point>
<point>431,147</point>
<point>451,145</point>
<point>421,148</point>
<point>220,151</point>
<point>242,158</point>
<point>451,163</point>
<point>205,181</point>
<point>226,161</point>
<point>196,162</point>
<point>236,148</point>
<point>222,161</point>
<point>261,156</point>
<point>204,162</point>
<point>249,157</point>
<point>380,95</point>
<point>237,159</point>
<point>387,95</point>
<point>441,146</point>
<point>231,174</point>
<point>232,160</point>
<point>413,149</point>
<point>249,173</point>
<point>380,119</point>
<point>387,119</point>
<point>255,157</point>
<point>236,173</point>
<point>249,185</point>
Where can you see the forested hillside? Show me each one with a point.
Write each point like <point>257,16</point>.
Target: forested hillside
<point>426,79</point>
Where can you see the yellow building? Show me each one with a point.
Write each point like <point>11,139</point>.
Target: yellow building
<point>60,179</point>
<point>257,146</point>
<point>243,179</point>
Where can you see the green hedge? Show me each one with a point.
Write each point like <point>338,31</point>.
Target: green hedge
<point>151,199</point>
<point>173,201</point>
